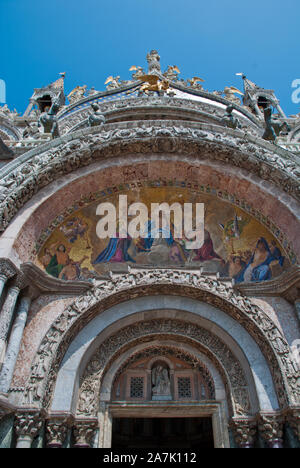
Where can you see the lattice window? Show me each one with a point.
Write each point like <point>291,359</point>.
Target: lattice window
<point>137,387</point>
<point>184,387</point>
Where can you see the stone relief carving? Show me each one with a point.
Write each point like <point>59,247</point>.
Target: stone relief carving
<point>21,183</point>
<point>105,293</point>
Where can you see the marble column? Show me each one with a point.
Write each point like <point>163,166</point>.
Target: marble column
<point>6,315</point>
<point>14,344</point>
<point>27,426</point>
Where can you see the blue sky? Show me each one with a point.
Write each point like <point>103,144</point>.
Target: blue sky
<point>92,39</point>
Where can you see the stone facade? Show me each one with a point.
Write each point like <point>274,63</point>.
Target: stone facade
<point>193,335</point>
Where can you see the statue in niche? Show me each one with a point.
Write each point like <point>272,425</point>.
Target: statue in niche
<point>230,120</point>
<point>48,120</point>
<point>161,385</point>
<point>97,118</point>
<point>273,126</point>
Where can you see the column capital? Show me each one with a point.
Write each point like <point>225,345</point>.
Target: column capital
<point>271,429</point>
<point>20,281</point>
<point>84,431</point>
<point>28,423</point>
<point>244,431</point>
<point>7,269</point>
<point>56,431</point>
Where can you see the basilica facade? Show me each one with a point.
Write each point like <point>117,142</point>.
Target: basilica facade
<point>142,341</point>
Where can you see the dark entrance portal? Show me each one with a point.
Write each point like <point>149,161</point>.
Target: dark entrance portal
<point>177,433</point>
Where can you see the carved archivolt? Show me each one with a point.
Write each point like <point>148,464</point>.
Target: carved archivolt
<point>122,287</point>
<point>178,353</point>
<point>145,332</point>
<point>39,167</point>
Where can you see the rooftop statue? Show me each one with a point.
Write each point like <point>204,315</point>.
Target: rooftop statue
<point>230,120</point>
<point>171,73</point>
<point>138,71</point>
<point>195,83</point>
<point>112,82</point>
<point>49,120</point>
<point>153,60</point>
<point>273,127</point>
<point>230,92</point>
<point>97,118</point>
<point>31,131</point>
<point>5,110</point>
<point>76,94</point>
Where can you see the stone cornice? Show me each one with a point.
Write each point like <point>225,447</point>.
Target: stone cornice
<point>46,284</point>
<point>23,178</point>
<point>286,285</point>
<point>39,282</point>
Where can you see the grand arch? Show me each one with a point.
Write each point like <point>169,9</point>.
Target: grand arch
<point>71,345</point>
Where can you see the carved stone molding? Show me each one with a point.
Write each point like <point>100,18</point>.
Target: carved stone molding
<point>270,427</point>
<point>46,284</point>
<point>23,178</point>
<point>244,431</point>
<point>286,285</point>
<point>84,432</point>
<point>28,423</point>
<point>40,282</point>
<point>147,331</point>
<point>141,283</point>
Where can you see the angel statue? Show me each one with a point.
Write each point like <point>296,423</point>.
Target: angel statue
<point>230,92</point>
<point>171,73</point>
<point>112,82</point>
<point>76,94</point>
<point>161,385</point>
<point>195,83</point>
<point>138,71</point>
